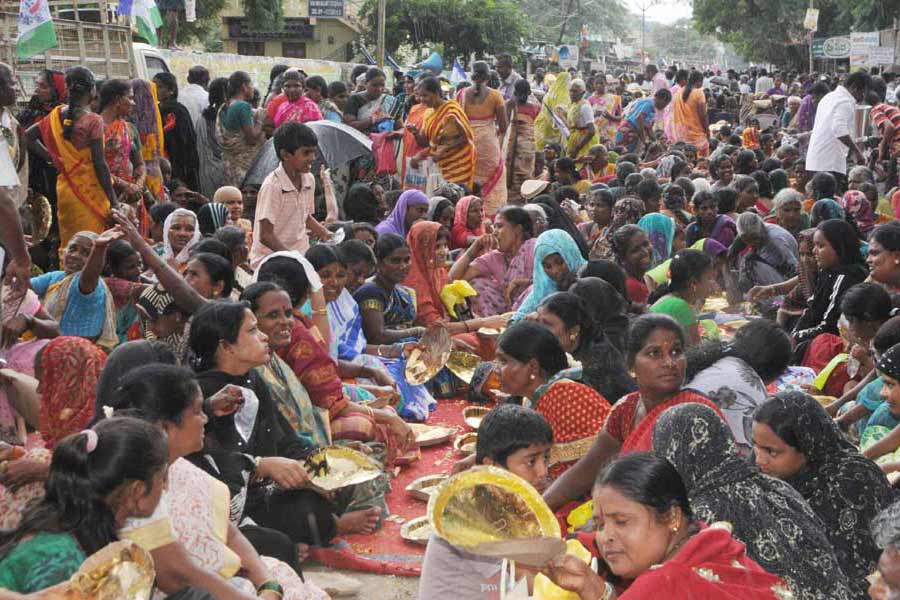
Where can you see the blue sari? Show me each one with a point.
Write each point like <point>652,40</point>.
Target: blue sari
<point>552,241</point>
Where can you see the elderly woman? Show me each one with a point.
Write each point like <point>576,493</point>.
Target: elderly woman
<point>580,119</point>
<point>788,212</point>
<point>773,252</point>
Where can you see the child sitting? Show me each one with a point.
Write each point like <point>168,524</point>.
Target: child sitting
<point>511,437</point>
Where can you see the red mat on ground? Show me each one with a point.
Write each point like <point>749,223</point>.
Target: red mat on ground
<point>385,552</point>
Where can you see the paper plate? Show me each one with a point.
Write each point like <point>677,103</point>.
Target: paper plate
<point>715,304</point>
<point>417,530</point>
<point>486,504</point>
<point>465,443</point>
<point>423,487</point>
<point>462,364</point>
<point>431,435</point>
<point>334,468</point>
<point>425,361</point>
<point>536,553</point>
<point>473,415</point>
<point>120,570</point>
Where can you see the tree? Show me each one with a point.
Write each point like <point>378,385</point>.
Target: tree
<point>461,27</point>
<point>560,21</point>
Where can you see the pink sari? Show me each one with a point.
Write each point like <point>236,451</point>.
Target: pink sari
<point>301,111</point>
<point>490,165</point>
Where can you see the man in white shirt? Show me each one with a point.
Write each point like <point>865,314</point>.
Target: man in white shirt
<point>194,96</point>
<point>743,86</point>
<point>508,77</point>
<point>832,134</point>
<point>764,83</point>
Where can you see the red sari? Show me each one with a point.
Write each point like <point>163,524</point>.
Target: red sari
<point>711,565</point>
<point>639,437</point>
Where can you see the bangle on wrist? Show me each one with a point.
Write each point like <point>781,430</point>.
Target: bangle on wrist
<point>320,311</point>
<point>271,586</point>
<point>207,406</point>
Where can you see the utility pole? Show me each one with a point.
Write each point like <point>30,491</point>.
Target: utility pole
<point>382,8</point>
<point>644,6</point>
<point>811,34</point>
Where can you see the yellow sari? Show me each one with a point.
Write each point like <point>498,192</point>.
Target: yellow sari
<point>82,204</point>
<point>558,95</point>
<point>443,126</point>
<point>576,136</point>
<point>152,150</point>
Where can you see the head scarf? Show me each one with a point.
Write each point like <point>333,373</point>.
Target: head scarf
<point>425,276</point>
<point>780,530</point>
<point>395,222</point>
<point>626,211</point>
<point>558,219</point>
<point>825,209</point>
<point>436,206</point>
<point>886,527</point>
<point>211,217</point>
<point>664,170</point>
<point>461,231</point>
<point>70,369</point>
<point>672,200</point>
<point>168,253</point>
<point>713,248</point>
<point>121,361</point>
<point>860,210</point>
<point>661,232</point>
<point>552,241</point>
<point>845,489</point>
<point>890,362</point>
<point>315,283</point>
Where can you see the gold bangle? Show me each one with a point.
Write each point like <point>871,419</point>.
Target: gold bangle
<point>320,311</point>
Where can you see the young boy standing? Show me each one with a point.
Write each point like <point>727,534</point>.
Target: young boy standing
<point>285,204</point>
<point>510,437</point>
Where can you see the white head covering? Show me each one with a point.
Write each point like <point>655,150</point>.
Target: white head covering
<point>167,245</point>
<point>701,185</point>
<point>315,283</point>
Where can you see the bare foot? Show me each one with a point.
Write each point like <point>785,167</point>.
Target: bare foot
<point>360,521</point>
<point>302,552</point>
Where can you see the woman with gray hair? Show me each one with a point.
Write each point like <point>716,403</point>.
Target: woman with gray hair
<point>886,532</point>
<point>538,218</point>
<point>580,120</point>
<point>773,255</point>
<point>787,212</point>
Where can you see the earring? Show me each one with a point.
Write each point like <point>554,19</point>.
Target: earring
<point>531,377</point>
<point>573,337</point>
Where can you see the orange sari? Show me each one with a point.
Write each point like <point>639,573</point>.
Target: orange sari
<point>448,122</point>
<point>82,204</point>
<point>417,115</point>
<point>688,124</point>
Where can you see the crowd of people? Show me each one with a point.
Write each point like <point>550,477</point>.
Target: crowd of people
<point>179,333</point>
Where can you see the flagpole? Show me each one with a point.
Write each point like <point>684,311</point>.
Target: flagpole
<point>382,8</point>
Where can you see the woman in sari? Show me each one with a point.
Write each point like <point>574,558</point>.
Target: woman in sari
<point>532,365</point>
<point>447,137</point>
<point>122,146</point>
<point>297,107</point>
<point>305,351</point>
<point>411,207</point>
<point>546,132</point>
<point>708,223</point>
<point>178,129</point>
<point>648,535</point>
<point>656,347</point>
<point>580,119</point>
<point>499,267</point>
<point>795,440</point>
<point>68,369</point>
<point>607,109</point>
<point>557,259</point>
<point>239,131</point>
<point>721,486</point>
<point>197,516</point>
<point>71,137</point>
<point>209,146</point>
<point>773,256</point>
<point>414,123</point>
<point>368,111</point>
<point>148,122</point>
<point>661,232</point>
<point>690,116</point>
<point>468,222</point>
<point>486,111</point>
<point>181,232</point>
<point>317,91</point>
<point>521,151</point>
<point>627,211</point>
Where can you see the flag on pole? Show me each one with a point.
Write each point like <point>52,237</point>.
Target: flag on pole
<point>125,8</point>
<point>36,31</point>
<point>458,75</point>
<point>147,18</point>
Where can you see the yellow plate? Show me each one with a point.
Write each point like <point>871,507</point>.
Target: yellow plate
<point>120,570</point>
<point>425,361</point>
<point>345,467</point>
<point>423,487</point>
<point>487,504</point>
<point>462,364</point>
<point>431,435</point>
<point>473,415</point>
<point>465,443</point>
<point>416,530</point>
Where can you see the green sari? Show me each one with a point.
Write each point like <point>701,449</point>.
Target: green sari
<point>292,399</point>
<point>41,561</point>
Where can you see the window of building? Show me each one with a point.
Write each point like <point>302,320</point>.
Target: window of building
<point>293,49</point>
<point>249,48</point>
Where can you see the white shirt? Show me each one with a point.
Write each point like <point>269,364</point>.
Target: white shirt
<point>508,85</point>
<point>194,98</point>
<point>744,88</point>
<point>764,84</point>
<point>835,117</point>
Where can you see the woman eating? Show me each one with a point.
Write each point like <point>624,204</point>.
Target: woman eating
<point>656,357</point>
<point>795,440</point>
<point>71,137</point>
<point>532,365</point>
<point>240,133</point>
<point>411,207</point>
<point>468,222</point>
<point>692,279</point>
<point>648,535</point>
<point>635,255</point>
<point>486,111</point>
<point>780,530</point>
<point>708,223</point>
<point>499,266</point>
<point>193,533</point>
<point>447,137</point>
<point>557,260</point>
<point>627,211</point>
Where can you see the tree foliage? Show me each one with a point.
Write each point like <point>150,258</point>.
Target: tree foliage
<point>770,31</point>
<point>551,19</point>
<point>461,27</point>
<point>264,15</point>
